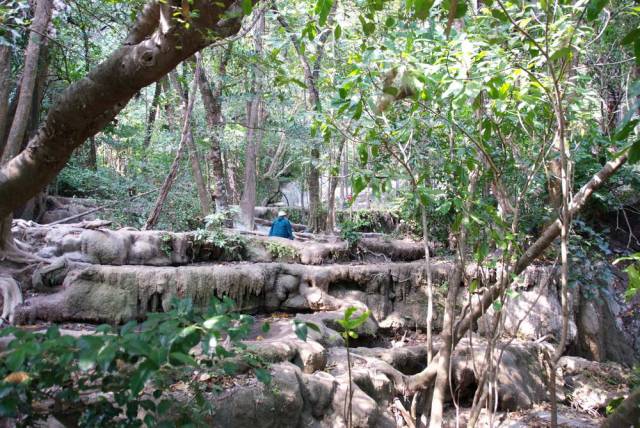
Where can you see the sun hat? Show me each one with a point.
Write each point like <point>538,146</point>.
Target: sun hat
<point>282,213</point>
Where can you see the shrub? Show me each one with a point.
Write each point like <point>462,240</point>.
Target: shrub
<point>122,377</point>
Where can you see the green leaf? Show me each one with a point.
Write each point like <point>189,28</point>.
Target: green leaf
<point>139,378</point>
<point>182,358</point>
<point>106,355</point>
<point>474,285</point>
<point>634,153</point>
<point>363,153</point>
<point>312,326</point>
<point>390,90</point>
<point>322,9</point>
<point>266,327</point>
<point>247,6</point>
<point>422,8</point>
<point>357,322</point>
<point>359,184</point>
<point>368,27</point>
<point>358,111</point>
<point>86,360</point>
<point>300,329</point>
<point>631,37</point>
<point>263,375</point>
<point>218,322</point>
<point>460,5</point>
<point>444,208</point>
<point>164,406</point>
<point>625,131</point>
<point>636,50</point>
<point>15,360</point>
<point>348,312</point>
<point>594,8</point>
<point>499,15</point>
<point>337,32</point>
<point>561,53</point>
<point>613,404</point>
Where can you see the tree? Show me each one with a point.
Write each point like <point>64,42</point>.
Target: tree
<point>154,46</point>
<point>211,99</point>
<point>256,114</point>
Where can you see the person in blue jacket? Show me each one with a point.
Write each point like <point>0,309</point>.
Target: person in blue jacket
<point>281,226</point>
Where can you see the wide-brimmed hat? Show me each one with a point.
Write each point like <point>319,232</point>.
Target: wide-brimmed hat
<point>282,213</point>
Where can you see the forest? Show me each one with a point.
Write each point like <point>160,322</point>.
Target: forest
<point>320,213</point>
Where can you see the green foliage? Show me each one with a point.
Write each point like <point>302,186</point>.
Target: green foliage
<point>633,274</point>
<point>122,377</point>
<point>350,231</point>
<point>301,328</point>
<point>351,222</point>
<point>350,325</point>
<point>213,235</point>
<point>13,21</point>
<point>166,244</point>
<point>281,251</point>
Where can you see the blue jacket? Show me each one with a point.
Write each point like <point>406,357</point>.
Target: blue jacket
<point>281,227</point>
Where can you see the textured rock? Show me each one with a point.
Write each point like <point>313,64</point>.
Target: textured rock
<point>103,293</point>
<point>590,385</point>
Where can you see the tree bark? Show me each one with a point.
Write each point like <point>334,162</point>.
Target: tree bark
<point>255,112</point>
<point>18,129</point>
<point>5,86</point>
<point>188,99</point>
<point>330,223</point>
<point>151,51</point>
<point>213,108</point>
<point>173,172</point>
<point>90,158</point>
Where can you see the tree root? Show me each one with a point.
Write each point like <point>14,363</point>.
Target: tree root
<point>11,296</point>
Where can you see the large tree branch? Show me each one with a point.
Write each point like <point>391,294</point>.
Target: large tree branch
<point>88,105</point>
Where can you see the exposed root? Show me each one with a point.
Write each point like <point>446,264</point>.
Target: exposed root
<point>11,297</point>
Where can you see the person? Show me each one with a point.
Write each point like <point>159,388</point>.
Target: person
<point>281,226</point>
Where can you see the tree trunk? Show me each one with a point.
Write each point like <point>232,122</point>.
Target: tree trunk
<point>311,75</point>
<point>89,156</point>
<point>6,239</point>
<point>188,99</point>
<point>173,172</point>
<point>213,109</point>
<point>447,335</point>
<point>254,121</point>
<point>153,113</point>
<point>154,215</point>
<point>5,86</point>
<point>29,77</point>
<point>333,185</point>
<point>231,178</point>
<point>315,207</point>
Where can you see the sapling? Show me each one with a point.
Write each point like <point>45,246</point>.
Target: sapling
<point>349,326</point>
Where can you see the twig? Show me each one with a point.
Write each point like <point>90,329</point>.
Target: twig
<point>405,415</point>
